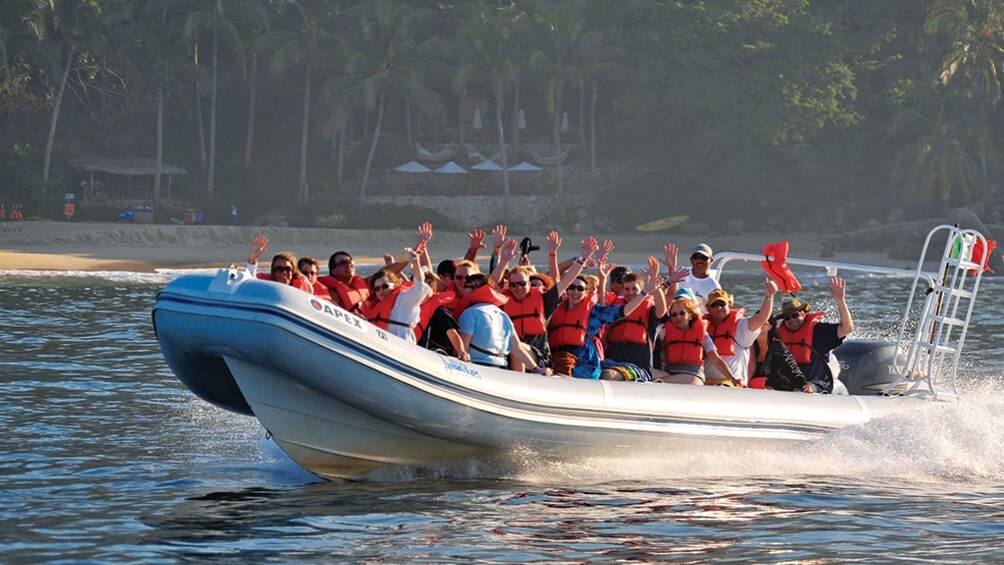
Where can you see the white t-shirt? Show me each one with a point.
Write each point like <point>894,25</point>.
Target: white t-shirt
<point>408,308</point>
<point>701,287</point>
<point>739,361</point>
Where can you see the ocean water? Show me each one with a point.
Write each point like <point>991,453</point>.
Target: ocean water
<point>106,457</point>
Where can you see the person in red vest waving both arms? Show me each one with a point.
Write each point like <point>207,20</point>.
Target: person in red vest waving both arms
<point>810,340</point>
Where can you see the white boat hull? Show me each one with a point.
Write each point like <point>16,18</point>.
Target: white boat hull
<point>343,398</point>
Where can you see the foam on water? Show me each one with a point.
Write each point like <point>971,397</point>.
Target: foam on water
<point>160,276</point>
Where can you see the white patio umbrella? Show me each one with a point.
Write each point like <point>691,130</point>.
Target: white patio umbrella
<point>451,168</point>
<point>525,166</point>
<point>521,123</point>
<point>487,165</point>
<point>564,121</point>
<point>412,167</point>
<point>477,118</point>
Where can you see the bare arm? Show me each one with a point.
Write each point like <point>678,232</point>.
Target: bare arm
<point>553,244</point>
<point>458,344</point>
<point>516,350</point>
<point>839,295</point>
<point>586,249</point>
<point>766,307</point>
<point>654,287</point>
<point>258,247</point>
<point>716,361</point>
<point>508,251</point>
<point>477,242</point>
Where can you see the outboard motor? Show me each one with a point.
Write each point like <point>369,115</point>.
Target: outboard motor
<point>866,366</point>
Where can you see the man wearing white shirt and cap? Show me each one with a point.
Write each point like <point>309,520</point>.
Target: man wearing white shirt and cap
<point>699,280</point>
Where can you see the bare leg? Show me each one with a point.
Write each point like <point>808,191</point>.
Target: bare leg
<point>682,379</point>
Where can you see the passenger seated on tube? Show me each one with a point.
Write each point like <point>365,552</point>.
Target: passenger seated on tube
<point>310,269</point>
<point>487,334</point>
<point>282,270</point>
<point>395,305</point>
<point>687,344</point>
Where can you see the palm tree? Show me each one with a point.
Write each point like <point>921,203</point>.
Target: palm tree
<point>22,26</point>
<point>219,18</point>
<point>562,40</point>
<point>76,27</point>
<point>157,44</point>
<point>309,44</point>
<point>492,61</point>
<point>972,60</point>
<point>386,56</point>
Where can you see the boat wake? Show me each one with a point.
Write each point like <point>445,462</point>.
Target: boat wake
<point>960,442</point>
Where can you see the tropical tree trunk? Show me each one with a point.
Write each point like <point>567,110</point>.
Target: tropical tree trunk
<point>303,139</point>
<point>409,133</point>
<point>582,114</point>
<point>506,211</point>
<point>249,146</point>
<point>515,113</point>
<point>212,117</point>
<point>557,142</point>
<point>160,147</point>
<point>461,128</point>
<point>201,124</point>
<point>592,130</point>
<point>373,146</point>
<point>341,155</point>
<point>334,139</point>
<point>55,118</point>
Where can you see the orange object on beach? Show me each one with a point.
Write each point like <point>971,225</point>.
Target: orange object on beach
<point>774,262</point>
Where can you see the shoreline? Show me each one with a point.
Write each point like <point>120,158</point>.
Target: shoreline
<point>80,246</point>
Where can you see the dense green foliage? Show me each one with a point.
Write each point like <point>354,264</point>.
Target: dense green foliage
<point>749,107</point>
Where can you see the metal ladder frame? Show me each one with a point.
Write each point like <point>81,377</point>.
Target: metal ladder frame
<point>932,341</point>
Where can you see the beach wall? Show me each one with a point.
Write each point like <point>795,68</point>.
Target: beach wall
<point>487,210</point>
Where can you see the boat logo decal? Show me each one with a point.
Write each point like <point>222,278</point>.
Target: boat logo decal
<point>336,313</point>
<point>455,366</point>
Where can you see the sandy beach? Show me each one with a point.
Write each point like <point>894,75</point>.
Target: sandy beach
<point>71,246</point>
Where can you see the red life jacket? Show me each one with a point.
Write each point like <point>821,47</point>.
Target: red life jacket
<point>483,295</point>
<point>321,291</point>
<point>775,263</point>
<point>298,282</point>
<point>614,299</point>
<point>429,308</point>
<point>378,311</point>
<point>350,296</point>
<point>632,328</point>
<point>685,347</point>
<point>568,326</point>
<point>724,333</point>
<point>527,315</point>
<point>800,342</point>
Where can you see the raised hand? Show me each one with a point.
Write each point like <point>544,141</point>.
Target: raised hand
<point>508,250</point>
<point>670,251</point>
<point>605,250</point>
<point>498,235</point>
<point>588,247</point>
<point>424,233</point>
<point>605,268</point>
<point>388,260</point>
<point>652,272</point>
<point>838,289</point>
<point>477,238</point>
<point>678,275</point>
<point>553,242</point>
<point>258,248</point>
<point>769,287</point>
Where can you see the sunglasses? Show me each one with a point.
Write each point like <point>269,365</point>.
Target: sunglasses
<point>473,286</point>
<point>535,283</point>
<point>308,272</point>
<point>460,277</point>
<point>344,263</point>
<point>698,257</point>
<point>517,283</point>
<point>576,287</point>
<point>678,313</point>
<point>794,316</point>
<point>717,304</point>
<point>282,269</point>
<point>383,287</point>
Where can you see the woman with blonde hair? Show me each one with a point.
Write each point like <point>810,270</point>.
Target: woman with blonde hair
<point>687,345</point>
<point>396,304</point>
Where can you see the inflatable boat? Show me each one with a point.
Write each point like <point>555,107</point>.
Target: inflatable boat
<point>344,398</point>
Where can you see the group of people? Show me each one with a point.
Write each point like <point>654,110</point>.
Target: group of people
<point>616,324</point>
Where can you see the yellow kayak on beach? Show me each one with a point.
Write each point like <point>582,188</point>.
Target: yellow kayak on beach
<point>664,223</point>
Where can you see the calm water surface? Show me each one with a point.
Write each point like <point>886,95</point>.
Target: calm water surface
<point>106,457</point>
